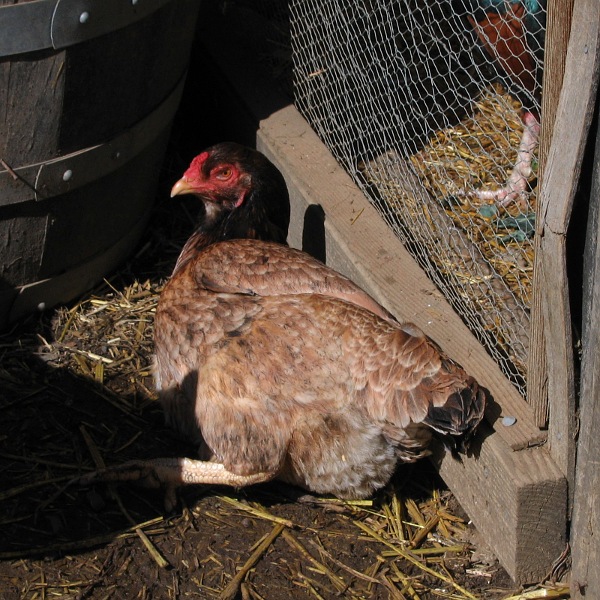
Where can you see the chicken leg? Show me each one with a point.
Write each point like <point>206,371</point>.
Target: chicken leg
<point>517,182</point>
<point>171,473</point>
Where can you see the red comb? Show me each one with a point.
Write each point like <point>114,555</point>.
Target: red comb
<point>195,166</point>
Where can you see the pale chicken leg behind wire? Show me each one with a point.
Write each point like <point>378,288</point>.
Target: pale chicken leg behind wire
<point>516,185</point>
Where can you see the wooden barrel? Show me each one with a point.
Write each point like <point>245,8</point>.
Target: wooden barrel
<point>88,92</point>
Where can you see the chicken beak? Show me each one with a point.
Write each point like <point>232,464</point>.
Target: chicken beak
<point>181,187</point>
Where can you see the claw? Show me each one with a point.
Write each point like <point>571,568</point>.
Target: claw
<point>162,473</point>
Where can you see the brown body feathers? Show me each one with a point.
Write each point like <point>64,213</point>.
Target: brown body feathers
<point>279,367</point>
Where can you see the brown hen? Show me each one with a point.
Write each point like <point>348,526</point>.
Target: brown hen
<point>279,367</point>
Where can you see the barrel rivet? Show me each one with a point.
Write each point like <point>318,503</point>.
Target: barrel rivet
<point>84,17</point>
<point>67,175</point>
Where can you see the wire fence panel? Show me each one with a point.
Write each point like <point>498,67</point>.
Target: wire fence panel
<point>433,108</point>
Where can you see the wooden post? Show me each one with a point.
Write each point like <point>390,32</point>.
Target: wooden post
<point>557,38</point>
<point>561,178</point>
<point>585,532</point>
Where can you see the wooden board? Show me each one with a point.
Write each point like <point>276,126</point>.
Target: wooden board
<point>557,39</point>
<point>33,93</point>
<point>561,179</point>
<point>517,498</point>
<point>586,517</point>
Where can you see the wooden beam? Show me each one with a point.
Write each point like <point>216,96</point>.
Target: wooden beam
<point>557,38</point>
<point>585,530</point>
<point>561,178</point>
<point>517,500</point>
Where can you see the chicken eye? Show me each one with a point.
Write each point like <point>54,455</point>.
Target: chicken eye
<point>223,173</point>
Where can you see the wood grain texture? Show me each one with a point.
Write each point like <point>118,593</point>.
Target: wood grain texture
<point>22,239</point>
<point>561,178</point>
<point>557,39</point>
<point>31,108</point>
<point>522,515</point>
<point>585,531</point>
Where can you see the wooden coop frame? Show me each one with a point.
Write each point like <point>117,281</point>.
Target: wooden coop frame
<point>518,491</point>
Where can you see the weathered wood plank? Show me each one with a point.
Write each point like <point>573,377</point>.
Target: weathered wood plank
<point>517,500</point>
<point>558,29</point>
<point>557,38</point>
<point>561,178</point>
<point>31,108</point>
<point>585,577</point>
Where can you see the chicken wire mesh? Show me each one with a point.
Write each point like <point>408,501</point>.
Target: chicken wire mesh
<point>424,104</point>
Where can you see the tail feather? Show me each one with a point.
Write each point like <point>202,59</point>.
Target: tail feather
<point>458,418</point>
